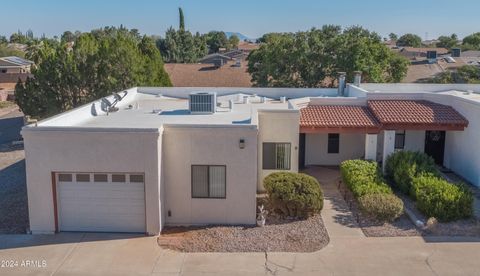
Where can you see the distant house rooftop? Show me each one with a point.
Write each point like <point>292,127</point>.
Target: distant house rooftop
<point>206,75</point>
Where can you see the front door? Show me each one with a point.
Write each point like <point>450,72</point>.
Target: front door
<point>435,145</point>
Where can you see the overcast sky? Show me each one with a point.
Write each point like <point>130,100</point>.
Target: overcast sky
<point>427,18</point>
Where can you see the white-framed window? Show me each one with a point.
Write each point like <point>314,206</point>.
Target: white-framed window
<point>209,181</point>
<point>276,156</point>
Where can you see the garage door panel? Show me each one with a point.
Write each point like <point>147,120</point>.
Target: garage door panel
<point>101,206</point>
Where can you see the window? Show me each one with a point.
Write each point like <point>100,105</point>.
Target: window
<point>64,177</point>
<point>333,143</point>
<point>118,178</point>
<point>83,177</point>
<point>276,156</point>
<point>138,178</point>
<point>208,181</point>
<point>400,139</point>
<point>100,178</point>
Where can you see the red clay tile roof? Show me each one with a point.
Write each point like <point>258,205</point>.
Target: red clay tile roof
<point>416,114</point>
<point>338,117</point>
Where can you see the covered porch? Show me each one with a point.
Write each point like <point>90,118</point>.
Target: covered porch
<point>330,134</point>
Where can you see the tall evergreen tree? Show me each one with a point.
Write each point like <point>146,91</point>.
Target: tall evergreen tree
<point>182,19</point>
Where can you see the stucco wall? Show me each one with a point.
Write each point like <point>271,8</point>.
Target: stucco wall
<point>352,145</point>
<point>186,146</point>
<point>88,151</point>
<point>415,140</point>
<point>280,126</point>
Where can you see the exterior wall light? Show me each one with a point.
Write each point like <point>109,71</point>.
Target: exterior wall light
<point>241,143</point>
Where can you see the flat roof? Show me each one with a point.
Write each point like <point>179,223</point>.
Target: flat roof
<point>153,107</point>
<point>151,111</point>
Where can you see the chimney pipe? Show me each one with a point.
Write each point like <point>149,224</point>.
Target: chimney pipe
<point>357,78</point>
<point>341,83</point>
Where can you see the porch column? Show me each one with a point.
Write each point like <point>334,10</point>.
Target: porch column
<point>371,147</point>
<point>388,145</point>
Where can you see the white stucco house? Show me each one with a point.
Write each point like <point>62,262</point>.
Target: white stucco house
<point>148,157</point>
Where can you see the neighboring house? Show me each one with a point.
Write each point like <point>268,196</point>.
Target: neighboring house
<point>470,54</point>
<point>216,59</point>
<point>419,53</point>
<point>8,82</point>
<point>247,47</point>
<point>15,65</point>
<point>202,75</point>
<point>192,156</point>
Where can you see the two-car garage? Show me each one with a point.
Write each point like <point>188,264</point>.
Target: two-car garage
<point>100,202</point>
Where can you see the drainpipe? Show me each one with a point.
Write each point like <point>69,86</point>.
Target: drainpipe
<point>341,83</point>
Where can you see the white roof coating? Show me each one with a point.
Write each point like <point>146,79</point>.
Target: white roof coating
<point>153,108</point>
<point>150,110</point>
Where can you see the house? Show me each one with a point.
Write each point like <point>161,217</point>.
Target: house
<point>8,82</point>
<point>203,75</point>
<point>15,65</point>
<point>421,53</point>
<point>148,157</point>
<point>216,59</point>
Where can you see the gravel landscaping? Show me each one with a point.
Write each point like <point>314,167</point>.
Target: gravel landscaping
<point>401,227</point>
<point>278,235</point>
<point>464,227</point>
<point>13,190</point>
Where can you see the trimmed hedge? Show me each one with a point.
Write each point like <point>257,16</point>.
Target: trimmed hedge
<point>294,194</point>
<point>440,199</point>
<point>383,207</point>
<point>374,196</point>
<point>363,177</point>
<point>403,166</point>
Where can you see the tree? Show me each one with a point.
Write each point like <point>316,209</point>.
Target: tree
<point>3,39</point>
<point>18,37</point>
<point>216,40</point>
<point>182,19</point>
<point>233,41</point>
<point>101,62</point>
<point>409,40</point>
<point>447,41</point>
<point>8,51</point>
<point>393,37</point>
<point>464,74</point>
<point>313,58</point>
<point>472,41</point>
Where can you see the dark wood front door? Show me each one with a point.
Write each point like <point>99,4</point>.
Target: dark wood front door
<point>301,152</point>
<point>435,145</point>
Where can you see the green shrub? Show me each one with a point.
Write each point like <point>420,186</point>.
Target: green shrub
<point>363,177</point>
<point>403,166</point>
<point>383,207</point>
<point>294,194</point>
<point>375,198</point>
<point>440,199</point>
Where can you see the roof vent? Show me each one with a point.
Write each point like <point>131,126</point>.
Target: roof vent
<point>202,103</point>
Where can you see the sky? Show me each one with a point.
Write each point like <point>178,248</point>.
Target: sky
<point>426,18</point>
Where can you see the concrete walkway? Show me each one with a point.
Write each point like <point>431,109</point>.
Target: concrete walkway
<point>338,219</point>
<point>348,253</point>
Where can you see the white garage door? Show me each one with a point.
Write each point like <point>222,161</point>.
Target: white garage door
<point>101,202</point>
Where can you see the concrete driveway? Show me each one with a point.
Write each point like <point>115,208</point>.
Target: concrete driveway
<point>123,254</point>
<point>348,253</point>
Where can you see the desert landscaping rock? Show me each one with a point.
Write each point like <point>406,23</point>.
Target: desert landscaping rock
<point>277,236</point>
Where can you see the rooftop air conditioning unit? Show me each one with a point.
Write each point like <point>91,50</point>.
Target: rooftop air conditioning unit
<point>202,103</point>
